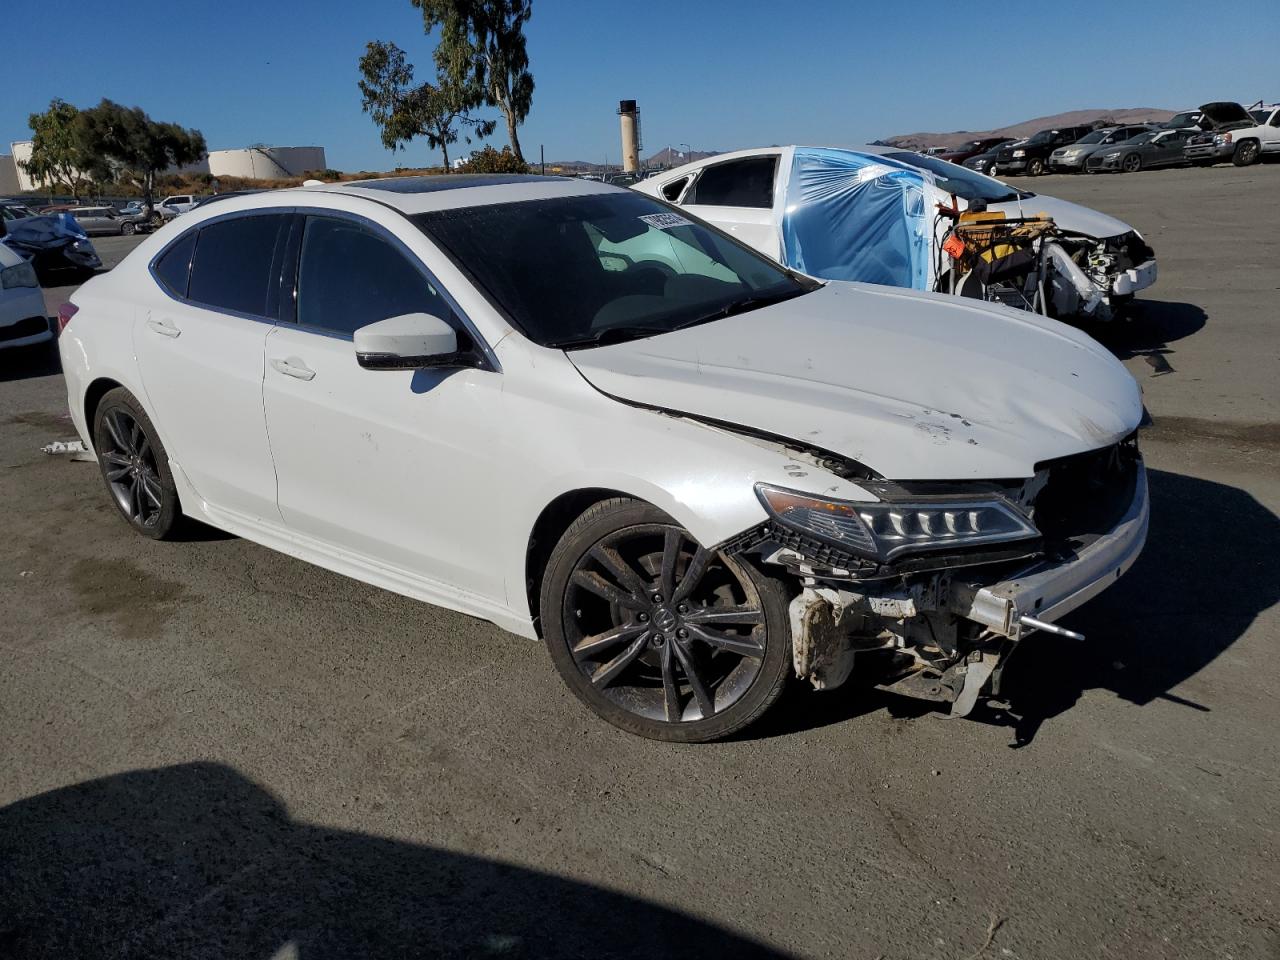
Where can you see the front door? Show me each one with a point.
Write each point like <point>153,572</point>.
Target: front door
<point>385,464</point>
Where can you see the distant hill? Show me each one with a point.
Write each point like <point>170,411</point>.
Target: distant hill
<point>1026,128</point>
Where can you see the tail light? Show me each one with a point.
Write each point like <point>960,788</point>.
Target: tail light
<point>65,313</point>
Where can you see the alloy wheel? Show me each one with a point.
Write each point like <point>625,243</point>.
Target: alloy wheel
<point>1132,163</point>
<point>129,465</point>
<point>662,627</point>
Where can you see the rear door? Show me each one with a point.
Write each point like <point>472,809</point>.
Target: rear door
<point>200,352</point>
<point>379,463</point>
<point>738,196</point>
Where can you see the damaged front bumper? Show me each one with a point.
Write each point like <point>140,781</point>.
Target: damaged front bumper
<point>943,637</point>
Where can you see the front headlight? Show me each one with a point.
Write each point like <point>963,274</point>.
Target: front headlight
<point>19,275</point>
<point>882,530</point>
<point>1019,153</point>
<point>1222,138</point>
<point>1114,154</point>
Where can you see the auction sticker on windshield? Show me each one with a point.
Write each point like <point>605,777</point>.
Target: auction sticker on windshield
<point>666,221</point>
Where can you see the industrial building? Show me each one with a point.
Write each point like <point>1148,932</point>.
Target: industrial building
<point>8,175</point>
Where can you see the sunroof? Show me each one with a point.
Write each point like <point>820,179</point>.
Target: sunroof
<point>449,181</point>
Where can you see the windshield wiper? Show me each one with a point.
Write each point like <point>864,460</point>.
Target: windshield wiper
<point>742,305</point>
<point>606,336</point>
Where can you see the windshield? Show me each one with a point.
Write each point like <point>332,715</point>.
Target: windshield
<point>14,211</point>
<point>587,270</point>
<point>1262,116</point>
<point>963,182</point>
<point>1096,137</point>
<point>1044,136</point>
<point>1143,137</point>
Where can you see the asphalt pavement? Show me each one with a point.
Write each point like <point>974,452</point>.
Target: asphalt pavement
<point>209,749</point>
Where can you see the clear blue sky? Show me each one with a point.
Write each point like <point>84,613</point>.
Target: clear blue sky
<point>716,74</point>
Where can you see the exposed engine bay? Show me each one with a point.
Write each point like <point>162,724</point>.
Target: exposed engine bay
<point>1031,264</point>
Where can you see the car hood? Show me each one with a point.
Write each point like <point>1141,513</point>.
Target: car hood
<point>1224,112</point>
<point>916,386</point>
<point>1068,216</point>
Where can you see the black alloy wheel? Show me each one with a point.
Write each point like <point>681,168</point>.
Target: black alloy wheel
<point>1132,163</point>
<point>659,635</point>
<point>134,465</point>
<point>1247,153</point>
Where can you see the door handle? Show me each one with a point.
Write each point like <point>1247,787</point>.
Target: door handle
<point>164,328</point>
<point>294,367</point>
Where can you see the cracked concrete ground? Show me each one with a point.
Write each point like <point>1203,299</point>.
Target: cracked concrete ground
<point>207,749</point>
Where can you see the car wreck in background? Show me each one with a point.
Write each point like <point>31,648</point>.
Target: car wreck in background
<point>889,216</point>
<point>53,243</point>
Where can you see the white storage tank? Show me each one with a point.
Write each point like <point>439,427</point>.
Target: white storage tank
<point>266,163</point>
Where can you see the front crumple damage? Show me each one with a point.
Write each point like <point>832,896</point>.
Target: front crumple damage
<point>941,627</point>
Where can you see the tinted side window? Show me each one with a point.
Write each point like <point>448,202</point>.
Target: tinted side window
<point>738,183</point>
<point>174,266</point>
<point>349,277</point>
<point>232,266</point>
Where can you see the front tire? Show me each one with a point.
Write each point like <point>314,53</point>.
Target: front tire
<point>134,466</point>
<point>127,229</point>
<point>658,635</point>
<point>1132,163</point>
<point>1246,154</point>
<point>1036,167</point>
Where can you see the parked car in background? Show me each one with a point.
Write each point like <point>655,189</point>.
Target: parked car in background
<point>872,215</point>
<point>22,311</point>
<point>55,244</point>
<point>565,408</point>
<point>1184,120</point>
<point>973,148</point>
<point>171,207</point>
<point>99,221</point>
<point>1071,158</point>
<point>1153,148</point>
<point>1032,155</point>
<point>1239,135</point>
<point>985,162</point>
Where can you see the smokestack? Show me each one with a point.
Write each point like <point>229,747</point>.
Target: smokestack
<point>630,121</point>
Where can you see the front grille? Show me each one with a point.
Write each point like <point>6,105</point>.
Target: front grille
<point>24,328</point>
<point>1087,494</point>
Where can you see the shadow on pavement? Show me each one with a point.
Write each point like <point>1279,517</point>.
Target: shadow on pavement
<point>1148,329</point>
<point>198,861</point>
<point>1210,566</point>
<point>24,363</point>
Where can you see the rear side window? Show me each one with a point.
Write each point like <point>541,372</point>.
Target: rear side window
<point>349,277</point>
<point>738,183</point>
<point>672,190</point>
<point>232,265</point>
<point>174,266</point>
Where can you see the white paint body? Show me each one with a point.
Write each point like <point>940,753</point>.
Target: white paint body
<point>762,228</point>
<point>18,304</point>
<point>429,483</point>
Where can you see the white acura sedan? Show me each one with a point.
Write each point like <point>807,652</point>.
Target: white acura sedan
<point>569,409</point>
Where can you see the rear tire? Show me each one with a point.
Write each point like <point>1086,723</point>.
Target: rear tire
<point>1247,153</point>
<point>658,635</point>
<point>134,466</point>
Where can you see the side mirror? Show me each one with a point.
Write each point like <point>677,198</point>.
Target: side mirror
<point>407,342</point>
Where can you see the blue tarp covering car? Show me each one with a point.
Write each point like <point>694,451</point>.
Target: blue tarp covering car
<point>852,216</point>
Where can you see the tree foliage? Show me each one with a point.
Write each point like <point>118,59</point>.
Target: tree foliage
<point>403,111</point>
<point>54,155</point>
<point>482,47</point>
<point>490,160</point>
<point>112,139</point>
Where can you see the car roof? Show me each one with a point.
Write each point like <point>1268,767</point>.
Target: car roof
<point>451,190</point>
